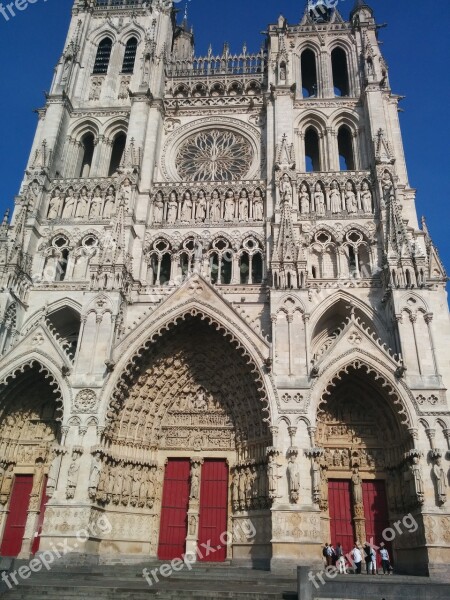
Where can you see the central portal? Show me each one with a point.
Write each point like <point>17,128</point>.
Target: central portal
<point>194,507</point>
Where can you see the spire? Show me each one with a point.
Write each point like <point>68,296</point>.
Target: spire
<point>4,226</point>
<point>359,6</point>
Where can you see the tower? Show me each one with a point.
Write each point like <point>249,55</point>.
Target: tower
<point>215,284</point>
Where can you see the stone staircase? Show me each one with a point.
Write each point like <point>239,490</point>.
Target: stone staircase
<point>127,583</point>
<point>208,582</point>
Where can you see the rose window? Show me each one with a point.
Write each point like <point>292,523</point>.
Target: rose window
<point>214,155</point>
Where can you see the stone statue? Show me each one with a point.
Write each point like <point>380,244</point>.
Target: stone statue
<point>293,474</point>
<point>95,210</point>
<point>172,208</point>
<point>215,207</point>
<point>72,476</point>
<point>357,490</point>
<point>286,193</point>
<point>52,478</point>
<point>387,186</point>
<point>319,200</point>
<point>117,486</point>
<point>441,481</point>
<point>243,206</point>
<point>83,205</point>
<point>69,205</point>
<point>198,255</point>
<point>195,484</point>
<point>273,476</point>
<point>192,525</point>
<point>305,201</point>
<point>109,203</point>
<point>94,477</point>
<point>258,206</point>
<point>350,199</point>
<point>135,486</point>
<point>335,198</point>
<point>126,488</point>
<point>186,211</point>
<point>125,191</point>
<point>418,490</point>
<point>366,198</point>
<point>200,213</point>
<point>158,208</point>
<point>55,205</point>
<point>229,206</point>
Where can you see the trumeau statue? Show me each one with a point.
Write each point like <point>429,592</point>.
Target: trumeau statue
<point>357,489</point>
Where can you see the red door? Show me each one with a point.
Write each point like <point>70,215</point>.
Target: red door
<point>213,511</point>
<point>40,523</point>
<point>376,512</point>
<point>341,522</point>
<point>175,505</point>
<point>17,517</point>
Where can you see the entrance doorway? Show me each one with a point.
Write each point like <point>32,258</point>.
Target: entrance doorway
<point>175,505</point>
<point>341,518</point>
<point>376,512</point>
<point>213,510</point>
<point>17,517</point>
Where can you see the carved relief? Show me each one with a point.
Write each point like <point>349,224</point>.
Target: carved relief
<point>85,401</point>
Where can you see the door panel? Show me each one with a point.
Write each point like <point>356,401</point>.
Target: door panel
<point>40,523</point>
<point>213,510</point>
<point>376,512</point>
<point>17,517</point>
<point>341,521</point>
<point>175,504</point>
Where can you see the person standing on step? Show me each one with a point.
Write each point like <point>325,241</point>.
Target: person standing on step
<point>340,562</point>
<point>330,552</point>
<point>385,560</point>
<point>368,558</point>
<point>325,554</point>
<point>357,559</point>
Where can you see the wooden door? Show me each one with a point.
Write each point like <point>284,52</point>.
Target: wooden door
<point>175,505</point>
<point>376,512</point>
<point>341,521</point>
<point>213,511</point>
<point>17,517</point>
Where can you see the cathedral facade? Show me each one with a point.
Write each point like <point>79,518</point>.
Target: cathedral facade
<point>219,312</point>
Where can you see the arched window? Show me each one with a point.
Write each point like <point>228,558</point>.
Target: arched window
<point>160,263</point>
<point>87,154</point>
<point>118,149</point>
<point>129,58</point>
<point>309,74</point>
<point>340,72</point>
<point>312,150</point>
<point>221,262</point>
<point>345,145</point>
<point>103,56</point>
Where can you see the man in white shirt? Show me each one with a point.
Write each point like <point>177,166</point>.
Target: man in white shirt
<point>357,559</point>
<point>385,560</point>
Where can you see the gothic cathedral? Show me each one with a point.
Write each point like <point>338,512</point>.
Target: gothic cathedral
<point>219,312</point>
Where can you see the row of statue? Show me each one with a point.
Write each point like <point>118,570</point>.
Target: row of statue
<point>321,200</point>
<point>213,208</point>
<point>250,487</point>
<point>124,484</point>
<point>86,204</point>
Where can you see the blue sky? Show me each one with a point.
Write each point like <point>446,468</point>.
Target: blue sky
<point>415,44</point>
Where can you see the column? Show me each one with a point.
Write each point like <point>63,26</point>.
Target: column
<point>194,508</point>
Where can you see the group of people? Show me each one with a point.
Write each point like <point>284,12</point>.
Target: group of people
<point>336,557</point>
